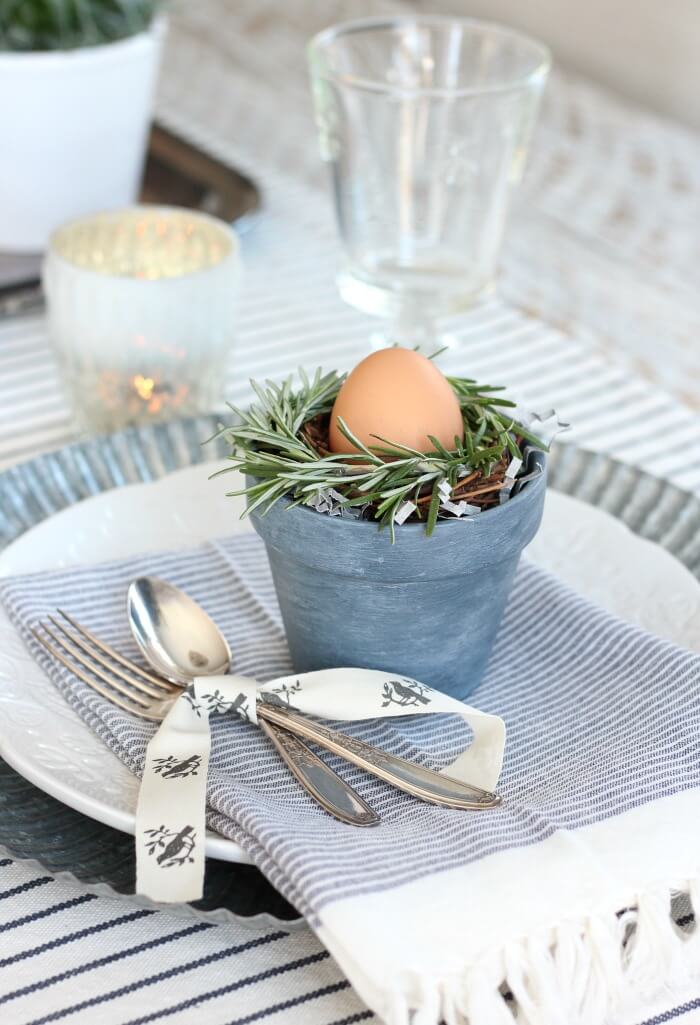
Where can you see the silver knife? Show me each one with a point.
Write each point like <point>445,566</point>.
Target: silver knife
<point>430,786</point>
<point>333,794</point>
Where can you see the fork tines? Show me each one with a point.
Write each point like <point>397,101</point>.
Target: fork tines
<point>105,670</point>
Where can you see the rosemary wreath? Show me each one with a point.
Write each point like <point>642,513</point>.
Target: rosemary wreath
<point>278,442</point>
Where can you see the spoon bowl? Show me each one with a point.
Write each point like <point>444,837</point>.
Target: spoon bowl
<point>175,635</point>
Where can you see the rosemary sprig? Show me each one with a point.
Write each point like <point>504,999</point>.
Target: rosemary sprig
<point>269,445</point>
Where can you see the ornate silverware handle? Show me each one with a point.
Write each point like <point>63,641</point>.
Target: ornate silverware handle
<point>413,779</point>
<point>332,793</point>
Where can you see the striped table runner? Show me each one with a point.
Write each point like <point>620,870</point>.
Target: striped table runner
<point>597,316</point>
<point>69,956</point>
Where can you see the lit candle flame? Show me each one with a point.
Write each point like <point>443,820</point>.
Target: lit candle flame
<point>143,386</point>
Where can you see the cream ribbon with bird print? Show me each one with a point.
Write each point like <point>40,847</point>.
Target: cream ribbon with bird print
<point>170,817</point>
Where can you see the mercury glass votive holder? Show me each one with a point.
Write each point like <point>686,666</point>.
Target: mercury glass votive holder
<point>141,310</point>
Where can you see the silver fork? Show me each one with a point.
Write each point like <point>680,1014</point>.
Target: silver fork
<point>120,680</point>
<point>147,695</point>
<point>143,693</point>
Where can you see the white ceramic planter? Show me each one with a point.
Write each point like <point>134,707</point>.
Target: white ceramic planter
<point>74,131</point>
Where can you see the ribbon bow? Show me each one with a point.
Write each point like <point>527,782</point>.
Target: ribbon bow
<point>170,817</point>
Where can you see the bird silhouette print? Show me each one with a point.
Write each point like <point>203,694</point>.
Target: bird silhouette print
<point>406,694</point>
<point>175,768</point>
<point>174,847</point>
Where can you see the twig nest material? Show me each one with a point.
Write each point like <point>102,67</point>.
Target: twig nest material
<point>396,394</point>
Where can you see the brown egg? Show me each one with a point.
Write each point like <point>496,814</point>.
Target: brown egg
<point>400,395</point>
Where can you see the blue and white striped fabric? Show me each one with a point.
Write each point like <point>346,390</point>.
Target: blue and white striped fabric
<point>69,955</point>
<point>428,913</point>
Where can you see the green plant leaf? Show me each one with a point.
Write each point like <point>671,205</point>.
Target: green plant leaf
<point>433,509</point>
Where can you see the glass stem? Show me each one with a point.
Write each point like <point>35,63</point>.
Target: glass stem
<point>411,330</point>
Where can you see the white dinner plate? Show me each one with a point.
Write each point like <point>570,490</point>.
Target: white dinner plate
<point>45,741</point>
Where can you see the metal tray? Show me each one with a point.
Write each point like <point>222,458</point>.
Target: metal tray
<point>35,826</point>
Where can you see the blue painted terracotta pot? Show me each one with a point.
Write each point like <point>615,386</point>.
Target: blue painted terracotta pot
<point>426,607</point>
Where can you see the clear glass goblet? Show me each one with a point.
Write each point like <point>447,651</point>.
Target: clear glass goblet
<point>425,122</point>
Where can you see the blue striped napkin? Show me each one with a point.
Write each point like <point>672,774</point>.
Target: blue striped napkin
<point>561,896</point>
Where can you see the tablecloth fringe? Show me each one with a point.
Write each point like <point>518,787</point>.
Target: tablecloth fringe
<point>579,972</point>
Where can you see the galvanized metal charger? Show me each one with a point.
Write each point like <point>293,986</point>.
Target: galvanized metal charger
<point>37,827</point>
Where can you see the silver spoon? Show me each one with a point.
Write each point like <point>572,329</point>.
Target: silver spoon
<point>180,641</point>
